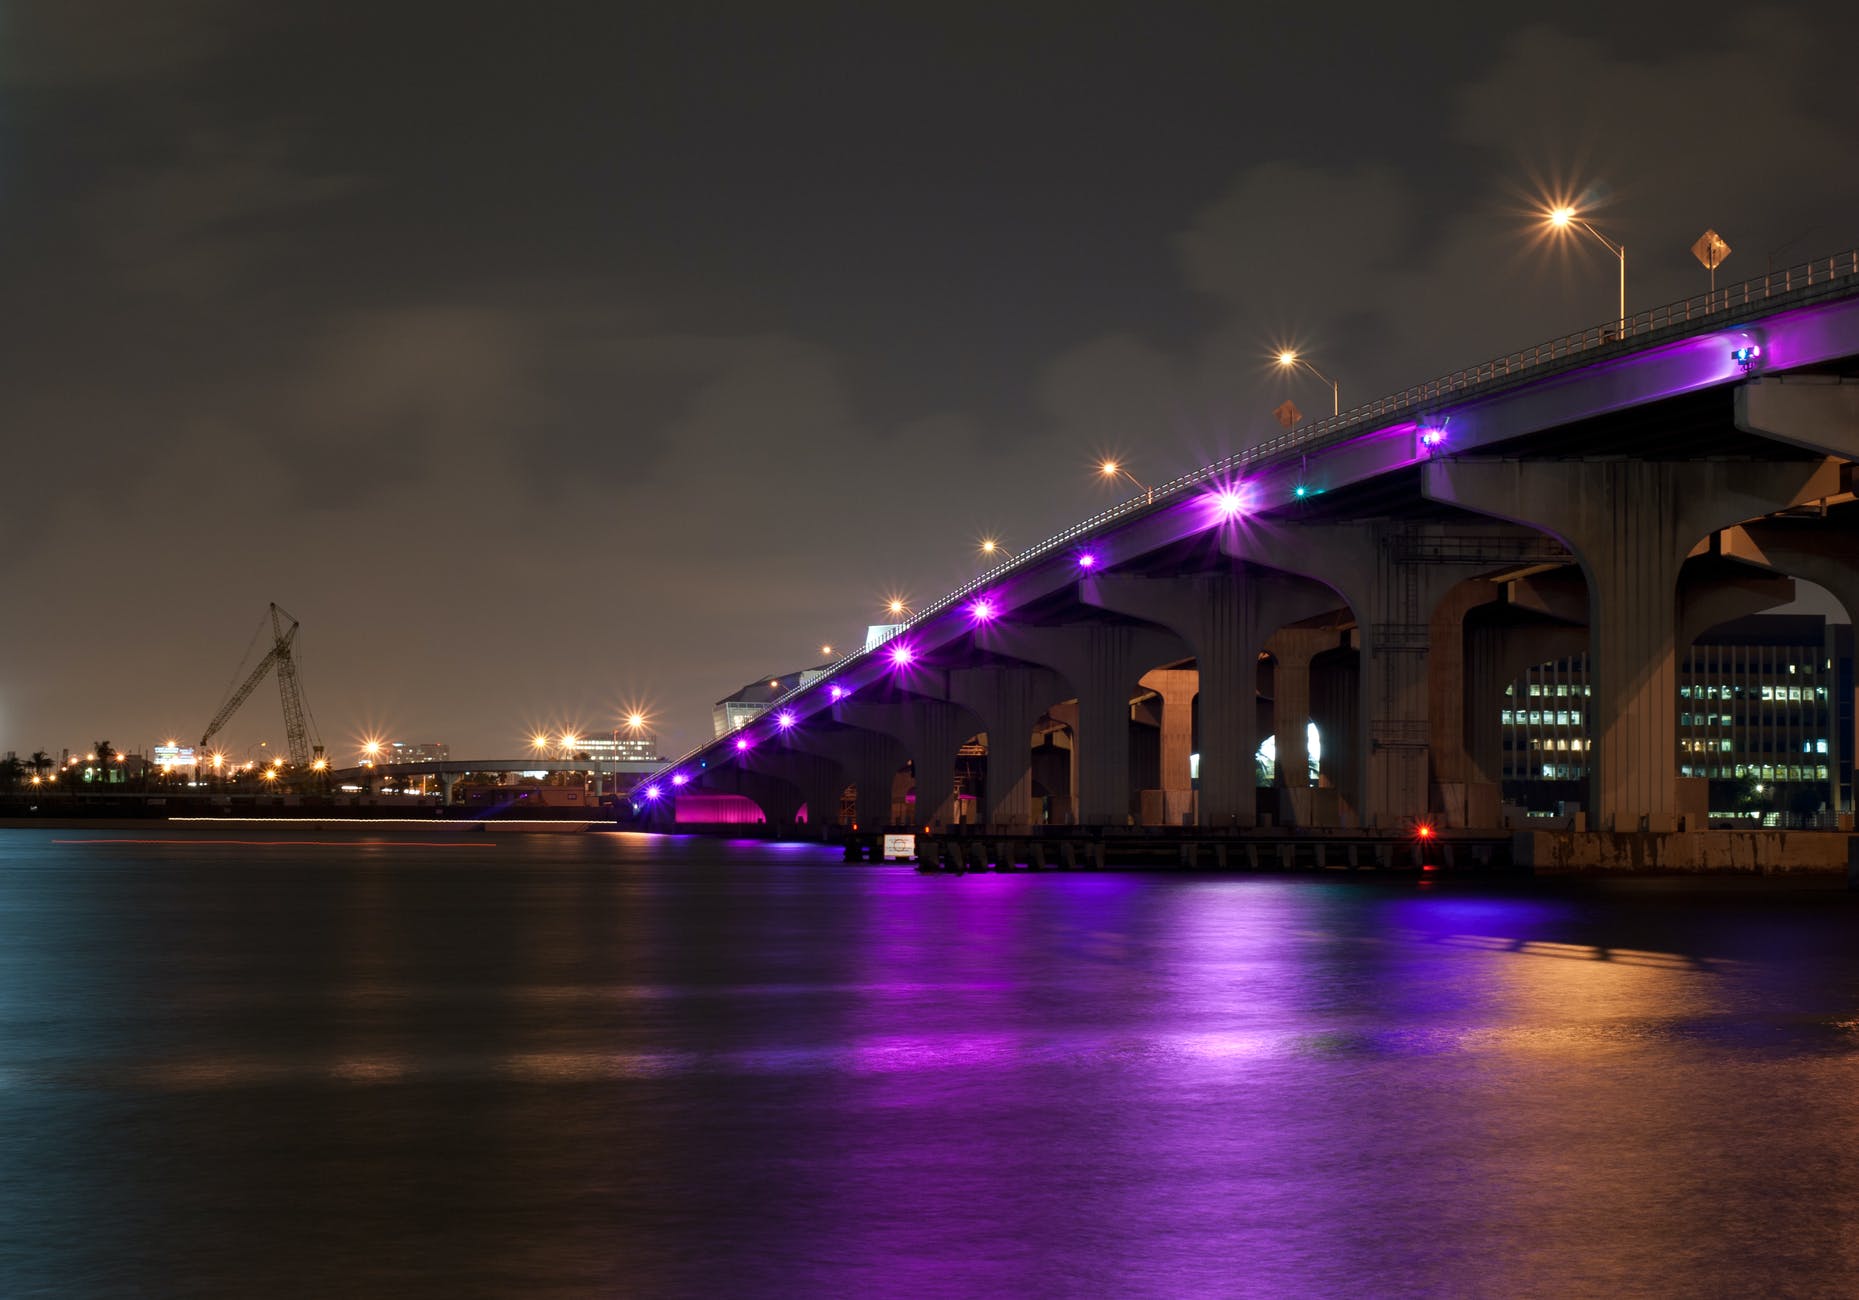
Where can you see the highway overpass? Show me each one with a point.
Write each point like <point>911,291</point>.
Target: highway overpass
<point>1616,491</point>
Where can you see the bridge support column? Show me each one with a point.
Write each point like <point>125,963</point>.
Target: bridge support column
<point>1452,794</point>
<point>1102,662</point>
<point>872,759</point>
<point>821,782</point>
<point>1177,688</point>
<point>1008,700</point>
<point>1293,648</point>
<point>1224,619</point>
<point>931,732</point>
<point>1631,524</point>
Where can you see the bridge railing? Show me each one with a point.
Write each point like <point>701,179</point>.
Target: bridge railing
<point>1835,275</point>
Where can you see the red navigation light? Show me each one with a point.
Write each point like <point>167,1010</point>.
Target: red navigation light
<point>1423,831</point>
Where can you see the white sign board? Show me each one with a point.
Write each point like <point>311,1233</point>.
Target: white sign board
<point>899,848</point>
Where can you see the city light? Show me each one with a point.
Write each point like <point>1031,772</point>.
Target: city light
<point>897,607</point>
<point>1289,359</point>
<point>320,765</point>
<point>1562,218</point>
<point>826,649</point>
<point>1432,437</point>
<point>1087,560</point>
<point>836,691</point>
<point>1112,470</point>
<point>635,721</point>
<point>991,547</point>
<point>679,778</point>
<point>742,744</point>
<point>539,742</point>
<point>982,610</point>
<point>902,655</point>
<point>652,792</point>
<point>785,719</point>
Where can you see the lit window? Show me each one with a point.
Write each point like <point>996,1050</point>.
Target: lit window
<point>1820,746</point>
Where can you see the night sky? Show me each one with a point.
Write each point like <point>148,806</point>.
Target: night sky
<point>547,359</point>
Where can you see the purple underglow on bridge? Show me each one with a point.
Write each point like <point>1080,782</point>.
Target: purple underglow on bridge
<point>1226,503</point>
<point>679,778</point>
<point>742,744</point>
<point>785,719</point>
<point>1527,394</point>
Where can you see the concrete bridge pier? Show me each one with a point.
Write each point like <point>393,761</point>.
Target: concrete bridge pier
<point>1102,662</point>
<point>821,782</point>
<point>931,732</point>
<point>1224,620</point>
<point>870,758</point>
<point>1292,649</point>
<point>1176,689</point>
<point>1631,525</point>
<point>1008,700</point>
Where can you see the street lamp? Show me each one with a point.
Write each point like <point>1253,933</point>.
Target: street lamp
<point>991,548</point>
<point>1566,218</point>
<point>1290,360</point>
<point>896,607</point>
<point>1113,470</point>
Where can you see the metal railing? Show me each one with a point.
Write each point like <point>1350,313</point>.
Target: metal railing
<point>1833,276</point>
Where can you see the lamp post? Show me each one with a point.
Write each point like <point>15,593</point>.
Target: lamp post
<point>1566,218</point>
<point>993,550</point>
<point>1113,470</point>
<point>1290,360</point>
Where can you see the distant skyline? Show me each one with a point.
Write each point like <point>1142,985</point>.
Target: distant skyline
<point>549,364</point>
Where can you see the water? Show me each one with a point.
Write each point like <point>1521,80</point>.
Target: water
<point>568,1065</point>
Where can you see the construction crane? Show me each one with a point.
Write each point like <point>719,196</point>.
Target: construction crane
<point>297,732</point>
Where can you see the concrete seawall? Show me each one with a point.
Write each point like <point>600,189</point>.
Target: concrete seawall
<point>1754,852</point>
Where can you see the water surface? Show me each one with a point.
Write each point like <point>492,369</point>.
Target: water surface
<point>453,1064</point>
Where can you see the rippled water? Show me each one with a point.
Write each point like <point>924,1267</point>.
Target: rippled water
<point>601,1064</point>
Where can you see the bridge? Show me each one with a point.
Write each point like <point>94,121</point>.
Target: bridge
<point>454,768</point>
<point>1617,491</point>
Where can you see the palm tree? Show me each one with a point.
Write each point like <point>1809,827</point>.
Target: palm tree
<point>11,770</point>
<point>40,763</point>
<point>104,755</point>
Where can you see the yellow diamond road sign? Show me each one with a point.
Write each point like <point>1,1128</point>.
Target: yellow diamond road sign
<point>1288,415</point>
<point>1710,250</point>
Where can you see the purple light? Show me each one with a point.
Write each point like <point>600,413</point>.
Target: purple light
<point>1227,503</point>
<point>1087,560</point>
<point>652,792</point>
<point>982,610</point>
<point>742,743</point>
<point>836,691</point>
<point>679,778</point>
<point>1432,437</point>
<point>784,719</point>
<point>902,655</point>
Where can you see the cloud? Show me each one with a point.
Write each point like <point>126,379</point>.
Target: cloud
<point>195,224</point>
<point>96,42</point>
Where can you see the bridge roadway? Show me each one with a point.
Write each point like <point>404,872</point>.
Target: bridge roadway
<point>1394,568</point>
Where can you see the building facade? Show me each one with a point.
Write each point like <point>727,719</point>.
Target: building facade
<point>1765,716</point>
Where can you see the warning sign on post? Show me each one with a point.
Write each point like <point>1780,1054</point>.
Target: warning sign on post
<point>900,848</point>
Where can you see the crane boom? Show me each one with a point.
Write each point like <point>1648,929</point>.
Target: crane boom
<point>296,732</point>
